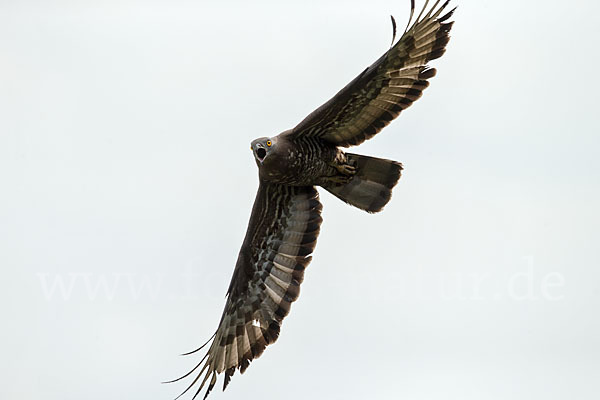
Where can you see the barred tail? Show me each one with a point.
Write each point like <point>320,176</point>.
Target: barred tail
<point>371,187</point>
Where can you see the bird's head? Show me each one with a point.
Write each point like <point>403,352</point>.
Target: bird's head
<point>261,148</point>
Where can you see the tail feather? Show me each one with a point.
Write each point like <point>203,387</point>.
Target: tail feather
<point>371,187</point>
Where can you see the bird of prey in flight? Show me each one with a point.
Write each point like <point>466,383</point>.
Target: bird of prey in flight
<point>286,215</point>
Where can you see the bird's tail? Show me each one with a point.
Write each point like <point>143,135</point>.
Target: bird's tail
<point>371,187</point>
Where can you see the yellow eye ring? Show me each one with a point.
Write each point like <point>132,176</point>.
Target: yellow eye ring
<point>269,143</point>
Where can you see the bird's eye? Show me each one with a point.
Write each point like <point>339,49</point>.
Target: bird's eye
<point>251,148</point>
<point>269,143</point>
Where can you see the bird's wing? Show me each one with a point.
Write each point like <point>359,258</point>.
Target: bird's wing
<point>376,96</point>
<point>281,235</point>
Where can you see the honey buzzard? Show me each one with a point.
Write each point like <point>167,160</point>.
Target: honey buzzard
<point>285,219</point>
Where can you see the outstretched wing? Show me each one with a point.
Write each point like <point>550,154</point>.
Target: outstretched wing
<point>376,96</point>
<point>281,235</point>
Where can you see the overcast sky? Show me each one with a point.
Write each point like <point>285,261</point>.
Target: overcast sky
<point>127,183</point>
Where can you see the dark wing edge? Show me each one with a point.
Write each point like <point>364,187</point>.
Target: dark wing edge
<point>281,235</point>
<point>378,95</point>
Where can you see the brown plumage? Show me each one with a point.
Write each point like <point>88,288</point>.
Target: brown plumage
<point>286,217</point>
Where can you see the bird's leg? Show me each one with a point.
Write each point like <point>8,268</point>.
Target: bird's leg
<point>343,165</point>
<point>344,170</point>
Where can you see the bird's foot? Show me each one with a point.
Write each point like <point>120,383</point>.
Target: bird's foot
<point>345,169</point>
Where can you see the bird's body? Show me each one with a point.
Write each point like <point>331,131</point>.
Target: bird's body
<point>296,162</point>
<point>286,216</point>
<point>364,182</point>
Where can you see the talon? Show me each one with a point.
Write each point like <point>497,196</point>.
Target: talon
<point>346,169</point>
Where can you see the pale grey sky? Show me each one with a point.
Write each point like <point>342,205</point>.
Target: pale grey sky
<point>127,185</point>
